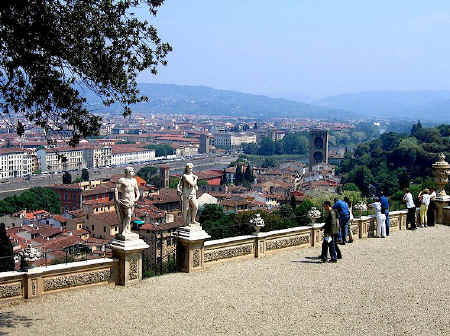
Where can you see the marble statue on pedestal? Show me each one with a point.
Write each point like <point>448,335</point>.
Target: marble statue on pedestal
<point>126,195</point>
<point>187,190</point>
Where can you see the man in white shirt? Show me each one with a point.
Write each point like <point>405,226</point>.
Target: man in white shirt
<point>411,217</point>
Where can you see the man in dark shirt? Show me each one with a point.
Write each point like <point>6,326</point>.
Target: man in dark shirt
<point>330,232</point>
<point>385,210</point>
<point>344,217</point>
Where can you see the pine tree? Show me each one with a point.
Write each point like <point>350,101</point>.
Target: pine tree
<point>238,176</point>
<point>249,176</point>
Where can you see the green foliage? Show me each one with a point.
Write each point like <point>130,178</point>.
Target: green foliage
<point>351,187</point>
<point>85,174</point>
<point>147,173</point>
<point>301,212</point>
<point>249,175</point>
<point>173,182</point>
<point>395,161</point>
<point>32,199</point>
<point>161,149</point>
<point>67,178</point>
<point>269,163</point>
<point>293,143</point>
<point>51,49</point>
<point>202,183</point>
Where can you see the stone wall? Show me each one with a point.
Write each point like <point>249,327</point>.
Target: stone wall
<point>43,280</point>
<point>260,244</point>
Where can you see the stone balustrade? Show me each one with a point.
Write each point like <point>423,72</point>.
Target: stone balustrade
<point>44,280</point>
<point>260,244</point>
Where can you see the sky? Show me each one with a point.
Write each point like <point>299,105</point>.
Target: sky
<point>305,49</point>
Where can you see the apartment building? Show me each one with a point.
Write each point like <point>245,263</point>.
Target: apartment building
<point>233,140</point>
<point>15,162</point>
<point>60,159</point>
<point>95,157</point>
<point>125,154</point>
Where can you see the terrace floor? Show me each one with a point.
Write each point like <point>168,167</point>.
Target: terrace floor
<point>397,286</point>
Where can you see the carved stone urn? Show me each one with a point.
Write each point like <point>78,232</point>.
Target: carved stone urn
<point>441,170</point>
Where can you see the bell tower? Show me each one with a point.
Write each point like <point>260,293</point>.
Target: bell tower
<point>318,144</point>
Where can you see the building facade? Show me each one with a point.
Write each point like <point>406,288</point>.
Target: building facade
<point>15,162</point>
<point>60,159</point>
<point>123,154</point>
<point>97,157</point>
<point>232,140</point>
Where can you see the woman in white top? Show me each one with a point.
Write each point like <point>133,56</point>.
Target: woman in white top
<point>424,198</point>
<point>381,220</point>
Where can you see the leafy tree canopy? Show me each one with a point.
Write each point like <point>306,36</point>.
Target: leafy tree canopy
<point>32,199</point>
<point>51,49</point>
<point>161,149</point>
<point>394,161</point>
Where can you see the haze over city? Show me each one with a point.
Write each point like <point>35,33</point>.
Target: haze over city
<point>306,49</point>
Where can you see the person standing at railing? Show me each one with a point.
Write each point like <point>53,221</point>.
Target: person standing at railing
<point>411,216</point>
<point>344,216</point>
<point>330,235</point>
<point>6,251</point>
<point>350,222</point>
<point>381,220</point>
<point>424,198</point>
<point>385,210</point>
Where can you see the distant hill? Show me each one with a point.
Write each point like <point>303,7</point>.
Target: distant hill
<point>413,105</point>
<point>169,98</point>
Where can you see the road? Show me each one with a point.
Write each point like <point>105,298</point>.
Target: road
<point>18,185</point>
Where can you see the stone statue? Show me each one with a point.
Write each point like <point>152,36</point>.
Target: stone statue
<point>187,190</point>
<point>129,195</point>
<point>6,251</point>
<point>441,157</point>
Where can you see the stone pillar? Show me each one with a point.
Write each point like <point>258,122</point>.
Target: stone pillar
<point>191,248</point>
<point>260,244</point>
<point>316,234</point>
<point>439,214</point>
<point>129,256</point>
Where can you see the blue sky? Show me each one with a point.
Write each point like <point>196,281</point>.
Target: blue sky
<point>314,48</point>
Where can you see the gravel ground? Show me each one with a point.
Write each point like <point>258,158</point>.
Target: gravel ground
<point>397,286</point>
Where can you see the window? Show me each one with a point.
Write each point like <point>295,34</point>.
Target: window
<point>104,229</point>
<point>92,227</point>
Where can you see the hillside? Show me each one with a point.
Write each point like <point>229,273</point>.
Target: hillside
<point>394,161</point>
<point>201,100</point>
<point>411,105</point>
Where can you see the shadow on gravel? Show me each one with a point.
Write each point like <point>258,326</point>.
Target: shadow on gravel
<point>11,320</point>
<point>309,260</point>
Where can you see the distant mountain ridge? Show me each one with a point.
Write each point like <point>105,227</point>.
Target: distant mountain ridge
<point>424,105</point>
<point>183,99</point>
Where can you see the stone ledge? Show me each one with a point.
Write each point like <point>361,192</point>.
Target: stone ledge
<point>285,231</point>
<point>68,266</point>
<point>228,240</point>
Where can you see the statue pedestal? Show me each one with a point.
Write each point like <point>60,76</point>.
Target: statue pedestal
<point>129,255</point>
<point>191,248</point>
<point>441,203</point>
